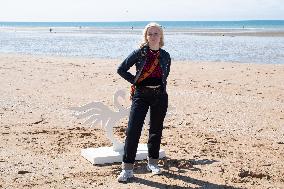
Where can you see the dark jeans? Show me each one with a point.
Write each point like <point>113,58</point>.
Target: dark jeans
<point>144,98</point>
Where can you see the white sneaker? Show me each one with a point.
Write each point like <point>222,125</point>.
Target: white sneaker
<point>154,168</point>
<point>125,175</point>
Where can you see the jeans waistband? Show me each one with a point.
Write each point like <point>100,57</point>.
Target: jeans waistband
<point>153,87</point>
<point>149,89</point>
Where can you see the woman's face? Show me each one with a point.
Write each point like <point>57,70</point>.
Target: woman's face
<point>154,37</point>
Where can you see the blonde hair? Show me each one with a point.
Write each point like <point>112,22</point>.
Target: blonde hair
<point>152,24</point>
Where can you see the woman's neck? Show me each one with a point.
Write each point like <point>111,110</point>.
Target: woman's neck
<point>154,47</point>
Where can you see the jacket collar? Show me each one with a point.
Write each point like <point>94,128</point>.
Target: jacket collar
<point>145,49</point>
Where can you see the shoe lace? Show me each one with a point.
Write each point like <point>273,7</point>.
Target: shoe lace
<point>126,173</point>
<point>154,167</point>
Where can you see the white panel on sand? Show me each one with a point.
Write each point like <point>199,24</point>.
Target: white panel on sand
<point>104,155</point>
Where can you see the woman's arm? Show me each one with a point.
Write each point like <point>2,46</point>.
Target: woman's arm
<point>169,65</point>
<point>123,68</point>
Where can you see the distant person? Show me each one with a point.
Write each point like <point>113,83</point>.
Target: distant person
<point>50,30</point>
<point>148,90</point>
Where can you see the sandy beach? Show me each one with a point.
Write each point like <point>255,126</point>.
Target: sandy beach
<point>227,130</point>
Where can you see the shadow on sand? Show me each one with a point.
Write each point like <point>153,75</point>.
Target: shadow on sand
<point>172,169</point>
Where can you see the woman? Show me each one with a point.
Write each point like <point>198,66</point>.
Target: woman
<point>149,90</point>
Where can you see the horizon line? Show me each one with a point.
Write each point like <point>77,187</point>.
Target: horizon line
<point>148,21</point>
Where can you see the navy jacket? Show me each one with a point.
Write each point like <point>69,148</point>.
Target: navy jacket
<point>138,57</point>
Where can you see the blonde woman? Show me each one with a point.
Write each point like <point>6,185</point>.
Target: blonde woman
<point>148,91</point>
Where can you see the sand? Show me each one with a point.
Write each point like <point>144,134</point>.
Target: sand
<point>227,129</point>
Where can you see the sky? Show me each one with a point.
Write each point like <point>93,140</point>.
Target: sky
<point>145,10</point>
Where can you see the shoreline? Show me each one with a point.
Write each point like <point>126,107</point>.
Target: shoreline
<point>121,59</point>
<point>257,32</point>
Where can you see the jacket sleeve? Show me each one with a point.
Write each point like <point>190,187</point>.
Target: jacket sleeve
<point>169,64</point>
<point>123,68</point>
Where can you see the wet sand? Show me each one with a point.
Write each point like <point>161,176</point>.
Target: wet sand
<point>227,130</point>
<point>234,32</point>
<point>231,32</point>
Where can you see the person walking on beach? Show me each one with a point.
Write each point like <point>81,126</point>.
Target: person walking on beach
<point>148,90</point>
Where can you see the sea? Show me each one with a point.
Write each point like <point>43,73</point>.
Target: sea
<point>250,41</point>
